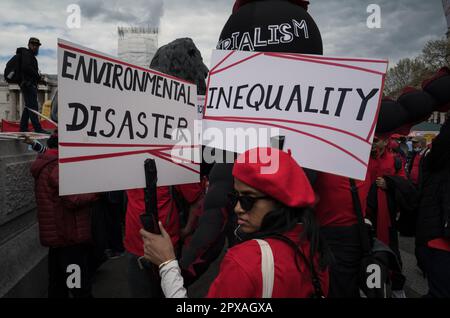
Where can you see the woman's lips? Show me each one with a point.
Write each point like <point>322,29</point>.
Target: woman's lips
<point>242,222</point>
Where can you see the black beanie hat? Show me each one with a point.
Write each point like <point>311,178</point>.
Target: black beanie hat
<point>271,26</point>
<point>182,59</point>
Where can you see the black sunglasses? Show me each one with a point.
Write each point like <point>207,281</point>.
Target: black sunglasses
<point>246,202</point>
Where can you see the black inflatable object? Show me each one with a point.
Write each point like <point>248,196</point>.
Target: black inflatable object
<point>396,114</point>
<point>271,26</point>
<point>415,106</point>
<point>182,59</point>
<point>439,88</point>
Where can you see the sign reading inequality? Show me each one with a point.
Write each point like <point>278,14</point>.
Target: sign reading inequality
<point>113,116</point>
<point>325,107</point>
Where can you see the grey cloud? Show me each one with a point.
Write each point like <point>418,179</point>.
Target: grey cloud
<point>406,26</point>
<point>147,12</point>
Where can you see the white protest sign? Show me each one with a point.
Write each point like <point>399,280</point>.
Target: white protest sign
<point>114,115</point>
<point>325,107</point>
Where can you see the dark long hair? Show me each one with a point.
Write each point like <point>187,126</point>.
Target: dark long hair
<point>283,219</point>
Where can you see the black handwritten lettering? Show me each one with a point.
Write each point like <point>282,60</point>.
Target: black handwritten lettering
<point>127,122</point>
<point>344,92</point>
<point>295,96</point>
<point>113,128</point>
<point>257,102</point>
<point>324,110</point>
<point>365,100</point>
<point>75,126</point>
<point>239,97</point>
<point>66,64</point>
<point>143,135</point>
<point>95,110</point>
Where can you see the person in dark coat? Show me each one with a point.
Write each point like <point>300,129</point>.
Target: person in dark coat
<point>433,223</point>
<point>420,148</point>
<point>29,86</point>
<point>384,208</point>
<point>64,226</point>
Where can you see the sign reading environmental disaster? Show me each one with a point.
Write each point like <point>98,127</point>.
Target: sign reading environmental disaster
<point>326,108</point>
<point>114,115</point>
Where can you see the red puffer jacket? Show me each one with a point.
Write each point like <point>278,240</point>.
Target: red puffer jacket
<point>63,220</point>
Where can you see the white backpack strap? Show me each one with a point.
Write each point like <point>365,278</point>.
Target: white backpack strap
<point>267,268</point>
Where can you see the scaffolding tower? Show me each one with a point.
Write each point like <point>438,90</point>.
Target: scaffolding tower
<point>137,45</point>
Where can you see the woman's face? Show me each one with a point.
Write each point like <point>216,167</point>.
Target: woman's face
<point>378,147</point>
<point>250,221</point>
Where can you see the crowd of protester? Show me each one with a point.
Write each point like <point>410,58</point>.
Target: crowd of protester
<point>294,233</point>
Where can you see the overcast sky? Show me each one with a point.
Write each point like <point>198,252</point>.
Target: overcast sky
<point>406,25</point>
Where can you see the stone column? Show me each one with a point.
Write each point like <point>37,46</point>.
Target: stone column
<point>22,258</point>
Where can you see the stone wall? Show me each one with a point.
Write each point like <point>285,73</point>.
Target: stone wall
<point>20,250</point>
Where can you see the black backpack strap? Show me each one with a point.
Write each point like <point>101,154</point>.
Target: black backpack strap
<point>363,232</point>
<point>444,201</point>
<point>398,163</point>
<point>421,163</point>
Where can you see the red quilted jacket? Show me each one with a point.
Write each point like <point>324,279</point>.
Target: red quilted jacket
<point>63,220</point>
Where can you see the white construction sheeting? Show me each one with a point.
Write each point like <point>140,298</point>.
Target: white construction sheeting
<point>137,45</point>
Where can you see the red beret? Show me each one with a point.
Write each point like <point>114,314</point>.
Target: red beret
<point>276,174</point>
<point>239,3</point>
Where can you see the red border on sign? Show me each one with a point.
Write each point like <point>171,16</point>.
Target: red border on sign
<point>154,152</point>
<point>107,58</point>
<point>318,57</point>
<point>80,144</point>
<point>236,63</point>
<point>378,110</point>
<point>306,58</point>
<point>302,133</point>
<point>157,152</point>
<point>223,60</point>
<point>231,118</point>
<point>322,62</point>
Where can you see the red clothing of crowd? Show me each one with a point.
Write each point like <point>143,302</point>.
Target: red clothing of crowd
<point>167,213</point>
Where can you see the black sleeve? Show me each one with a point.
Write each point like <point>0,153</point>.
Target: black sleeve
<point>211,223</point>
<point>440,149</point>
<point>311,175</point>
<point>38,147</point>
<point>221,183</point>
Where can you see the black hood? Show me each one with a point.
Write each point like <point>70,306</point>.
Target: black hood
<point>21,50</point>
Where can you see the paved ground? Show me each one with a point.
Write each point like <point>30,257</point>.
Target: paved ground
<point>111,280</point>
<point>416,285</point>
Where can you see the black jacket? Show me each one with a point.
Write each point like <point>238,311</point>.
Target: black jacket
<point>434,206</point>
<point>29,66</point>
<point>401,195</point>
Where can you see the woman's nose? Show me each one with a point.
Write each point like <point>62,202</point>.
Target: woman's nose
<point>238,209</point>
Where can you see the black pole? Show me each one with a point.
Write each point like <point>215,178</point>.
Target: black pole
<point>277,142</point>
<point>150,218</point>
